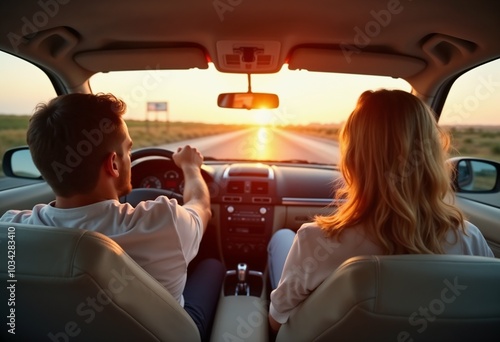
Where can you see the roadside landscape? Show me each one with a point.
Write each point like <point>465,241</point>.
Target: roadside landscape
<point>477,141</point>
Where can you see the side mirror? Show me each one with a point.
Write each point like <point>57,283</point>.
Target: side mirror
<point>248,100</point>
<point>17,162</point>
<point>475,175</point>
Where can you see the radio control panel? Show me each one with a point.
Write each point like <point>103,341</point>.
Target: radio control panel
<point>246,228</point>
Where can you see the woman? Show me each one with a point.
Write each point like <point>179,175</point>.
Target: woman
<point>395,200</point>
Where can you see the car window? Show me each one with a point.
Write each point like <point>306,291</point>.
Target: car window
<point>471,113</point>
<point>22,87</point>
<point>312,103</point>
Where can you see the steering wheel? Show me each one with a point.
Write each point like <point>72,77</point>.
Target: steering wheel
<point>144,194</point>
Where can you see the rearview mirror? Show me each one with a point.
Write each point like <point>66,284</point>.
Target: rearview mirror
<point>17,162</point>
<point>248,100</point>
<point>475,175</point>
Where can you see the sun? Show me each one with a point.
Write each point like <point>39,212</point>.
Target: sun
<point>263,117</point>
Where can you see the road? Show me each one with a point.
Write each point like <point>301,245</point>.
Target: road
<point>252,144</point>
<point>265,144</point>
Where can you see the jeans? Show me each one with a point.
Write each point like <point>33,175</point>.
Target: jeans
<point>277,251</point>
<point>201,294</point>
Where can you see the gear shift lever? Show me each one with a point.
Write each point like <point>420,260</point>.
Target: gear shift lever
<point>242,288</point>
<point>242,272</point>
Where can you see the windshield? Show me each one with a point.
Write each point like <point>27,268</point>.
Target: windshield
<point>166,107</point>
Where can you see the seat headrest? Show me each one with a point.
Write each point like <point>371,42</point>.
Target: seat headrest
<point>402,298</point>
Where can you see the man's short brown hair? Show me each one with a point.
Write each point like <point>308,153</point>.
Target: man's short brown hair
<point>71,136</point>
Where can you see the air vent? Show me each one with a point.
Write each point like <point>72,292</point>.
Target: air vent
<point>260,188</point>
<point>231,199</point>
<point>235,187</point>
<point>261,200</point>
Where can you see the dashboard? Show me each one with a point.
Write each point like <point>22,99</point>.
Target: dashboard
<point>249,200</point>
<point>160,173</point>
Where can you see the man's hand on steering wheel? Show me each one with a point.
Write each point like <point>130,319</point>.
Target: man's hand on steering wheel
<point>142,194</point>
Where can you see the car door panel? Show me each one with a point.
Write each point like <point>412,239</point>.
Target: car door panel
<point>25,197</point>
<point>485,217</point>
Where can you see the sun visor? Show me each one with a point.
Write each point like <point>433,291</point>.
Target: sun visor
<point>140,59</point>
<point>354,61</point>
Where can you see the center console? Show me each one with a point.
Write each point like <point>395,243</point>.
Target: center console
<point>247,199</point>
<point>247,211</point>
<point>242,309</point>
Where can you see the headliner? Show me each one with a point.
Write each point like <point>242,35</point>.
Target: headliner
<point>424,41</point>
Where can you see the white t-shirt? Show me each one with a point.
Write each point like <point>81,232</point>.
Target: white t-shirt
<point>313,257</point>
<point>160,235</point>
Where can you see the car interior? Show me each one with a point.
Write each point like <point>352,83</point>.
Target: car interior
<point>63,284</point>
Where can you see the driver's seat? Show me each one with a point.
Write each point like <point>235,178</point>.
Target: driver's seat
<point>72,284</point>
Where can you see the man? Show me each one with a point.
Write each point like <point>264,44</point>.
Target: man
<point>81,145</point>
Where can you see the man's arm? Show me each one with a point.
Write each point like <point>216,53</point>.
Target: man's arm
<point>274,325</point>
<point>196,195</point>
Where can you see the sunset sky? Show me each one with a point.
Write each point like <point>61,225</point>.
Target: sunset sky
<point>305,97</point>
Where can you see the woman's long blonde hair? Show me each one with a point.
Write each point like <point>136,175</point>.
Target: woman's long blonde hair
<point>396,178</point>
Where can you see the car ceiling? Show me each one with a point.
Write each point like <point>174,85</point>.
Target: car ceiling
<point>425,42</point>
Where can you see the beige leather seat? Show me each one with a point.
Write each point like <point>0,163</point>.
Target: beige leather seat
<point>76,285</point>
<point>403,298</point>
